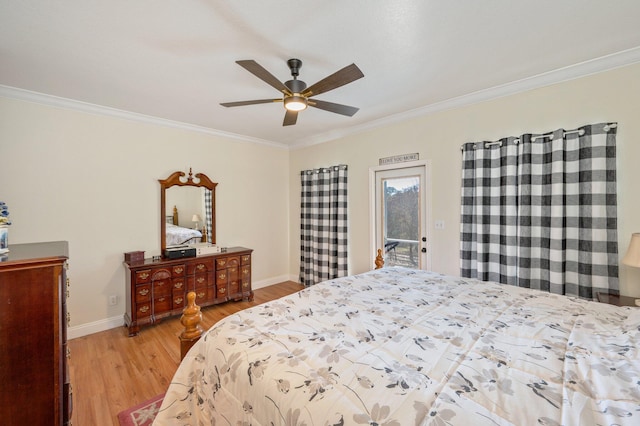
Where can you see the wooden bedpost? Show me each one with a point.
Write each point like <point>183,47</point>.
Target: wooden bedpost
<point>379,260</point>
<point>191,318</point>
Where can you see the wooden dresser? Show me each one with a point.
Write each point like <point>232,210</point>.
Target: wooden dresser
<point>158,289</point>
<point>34,378</point>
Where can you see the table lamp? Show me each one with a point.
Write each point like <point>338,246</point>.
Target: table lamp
<point>196,219</point>
<point>632,257</point>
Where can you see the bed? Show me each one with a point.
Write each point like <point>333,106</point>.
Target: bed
<point>398,346</point>
<point>179,235</point>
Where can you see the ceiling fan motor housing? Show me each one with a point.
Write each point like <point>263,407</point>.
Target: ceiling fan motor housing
<point>296,86</point>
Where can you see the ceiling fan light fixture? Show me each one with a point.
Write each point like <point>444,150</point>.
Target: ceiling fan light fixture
<point>295,102</point>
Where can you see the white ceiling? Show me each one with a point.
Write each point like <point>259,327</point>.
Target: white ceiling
<point>175,60</point>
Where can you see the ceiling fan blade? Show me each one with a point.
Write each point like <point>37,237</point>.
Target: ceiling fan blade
<point>290,118</point>
<point>243,103</point>
<point>256,69</point>
<point>331,107</point>
<point>339,78</point>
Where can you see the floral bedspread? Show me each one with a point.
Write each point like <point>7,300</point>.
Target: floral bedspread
<point>176,235</point>
<point>405,347</point>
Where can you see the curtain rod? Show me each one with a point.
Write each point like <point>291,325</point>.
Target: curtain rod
<point>544,135</point>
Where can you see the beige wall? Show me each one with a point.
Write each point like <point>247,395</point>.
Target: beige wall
<point>93,181</point>
<point>608,96</point>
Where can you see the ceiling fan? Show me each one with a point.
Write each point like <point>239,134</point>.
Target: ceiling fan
<point>297,96</point>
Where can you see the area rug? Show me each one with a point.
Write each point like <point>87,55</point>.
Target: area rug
<point>142,414</point>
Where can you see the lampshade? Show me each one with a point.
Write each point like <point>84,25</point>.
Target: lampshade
<point>632,258</point>
<point>196,218</point>
<point>295,102</point>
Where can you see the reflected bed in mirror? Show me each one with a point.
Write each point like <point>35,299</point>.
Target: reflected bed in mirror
<point>181,235</point>
<point>187,209</point>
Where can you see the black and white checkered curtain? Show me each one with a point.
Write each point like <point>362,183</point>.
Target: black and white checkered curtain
<point>540,211</point>
<point>207,209</point>
<point>323,224</point>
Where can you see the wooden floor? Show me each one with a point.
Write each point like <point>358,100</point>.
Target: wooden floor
<point>111,371</point>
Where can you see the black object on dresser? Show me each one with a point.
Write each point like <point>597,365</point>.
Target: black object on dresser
<point>157,289</point>
<point>34,377</point>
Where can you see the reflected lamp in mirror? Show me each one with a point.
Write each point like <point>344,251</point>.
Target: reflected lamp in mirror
<point>196,219</point>
<point>632,257</point>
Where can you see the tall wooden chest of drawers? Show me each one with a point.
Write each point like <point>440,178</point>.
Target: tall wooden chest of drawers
<point>34,378</point>
<point>157,289</point>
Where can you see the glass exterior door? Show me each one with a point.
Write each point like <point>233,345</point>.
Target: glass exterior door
<point>401,216</point>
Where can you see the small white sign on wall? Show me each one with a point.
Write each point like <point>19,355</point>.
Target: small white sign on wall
<point>398,159</point>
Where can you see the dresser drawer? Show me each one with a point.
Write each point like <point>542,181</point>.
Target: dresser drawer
<point>217,293</point>
<point>199,281</point>
<point>143,293</point>
<point>225,262</point>
<point>245,272</point>
<point>178,301</point>
<point>162,304</point>
<point>246,285</point>
<point>178,270</point>
<point>162,288</point>
<point>199,267</point>
<point>143,309</point>
<point>201,295</point>
<point>160,274</point>
<point>143,276</point>
<point>178,285</point>
<point>222,277</point>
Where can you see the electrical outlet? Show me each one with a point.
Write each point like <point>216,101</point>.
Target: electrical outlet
<point>113,300</point>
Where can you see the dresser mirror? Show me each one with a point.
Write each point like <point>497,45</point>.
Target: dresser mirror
<point>187,209</point>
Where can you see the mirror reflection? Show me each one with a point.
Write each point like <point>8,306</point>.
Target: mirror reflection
<point>187,221</point>
<point>187,210</point>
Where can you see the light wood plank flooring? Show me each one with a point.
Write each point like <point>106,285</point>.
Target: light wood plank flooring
<point>111,371</point>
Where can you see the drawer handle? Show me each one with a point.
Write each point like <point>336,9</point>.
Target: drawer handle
<point>222,262</point>
<point>178,300</point>
<point>143,292</point>
<point>178,270</point>
<point>200,280</point>
<point>245,271</point>
<point>68,283</point>
<point>144,275</point>
<point>178,285</point>
<point>200,266</point>
<point>222,290</point>
<point>245,258</point>
<point>68,353</point>
<point>161,299</point>
<point>68,319</point>
<point>245,285</point>
<point>200,295</point>
<point>144,309</point>
<point>222,276</point>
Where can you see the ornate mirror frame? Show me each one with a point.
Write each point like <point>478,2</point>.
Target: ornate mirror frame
<point>181,179</point>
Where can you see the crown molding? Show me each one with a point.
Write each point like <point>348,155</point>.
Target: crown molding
<point>572,72</point>
<point>89,108</point>
<point>582,69</point>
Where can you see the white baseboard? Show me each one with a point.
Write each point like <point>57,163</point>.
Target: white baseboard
<point>118,321</point>
<point>95,327</point>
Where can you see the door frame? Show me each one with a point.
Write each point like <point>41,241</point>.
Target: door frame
<point>426,207</point>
